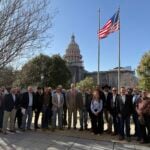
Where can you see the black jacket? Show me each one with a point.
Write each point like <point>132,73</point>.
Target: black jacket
<point>38,101</point>
<point>112,106</point>
<point>9,103</point>
<point>107,100</point>
<point>25,100</point>
<point>125,109</point>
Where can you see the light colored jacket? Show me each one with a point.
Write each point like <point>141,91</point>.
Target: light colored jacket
<point>55,101</point>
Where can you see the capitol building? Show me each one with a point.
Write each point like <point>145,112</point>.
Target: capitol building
<point>75,64</point>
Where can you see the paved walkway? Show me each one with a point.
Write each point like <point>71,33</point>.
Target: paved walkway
<point>64,140</point>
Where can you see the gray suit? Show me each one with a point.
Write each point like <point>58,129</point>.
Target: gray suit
<point>57,108</point>
<point>71,102</point>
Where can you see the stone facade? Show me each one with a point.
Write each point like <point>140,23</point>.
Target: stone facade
<point>74,61</point>
<point>75,64</point>
<point>127,77</point>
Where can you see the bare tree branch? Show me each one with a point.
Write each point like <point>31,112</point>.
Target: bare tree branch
<point>24,26</point>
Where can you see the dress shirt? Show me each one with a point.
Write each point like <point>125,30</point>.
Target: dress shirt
<point>30,99</point>
<point>14,97</point>
<point>114,99</point>
<point>58,97</point>
<point>123,97</point>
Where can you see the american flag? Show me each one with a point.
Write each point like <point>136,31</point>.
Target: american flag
<point>111,26</point>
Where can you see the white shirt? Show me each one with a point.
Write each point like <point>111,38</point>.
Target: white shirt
<point>114,98</point>
<point>30,99</point>
<point>134,99</point>
<point>58,97</point>
<point>106,94</point>
<point>14,97</point>
<point>123,98</point>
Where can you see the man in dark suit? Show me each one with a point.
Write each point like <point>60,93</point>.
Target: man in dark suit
<point>11,104</point>
<point>107,99</point>
<point>82,108</point>
<point>124,107</point>
<point>112,108</point>
<point>38,106</point>
<point>18,117</point>
<point>27,107</point>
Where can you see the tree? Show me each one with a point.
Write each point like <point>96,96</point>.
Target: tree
<point>59,72</point>
<point>87,83</point>
<point>7,77</point>
<point>44,71</point>
<point>32,72</point>
<point>143,71</point>
<point>24,26</point>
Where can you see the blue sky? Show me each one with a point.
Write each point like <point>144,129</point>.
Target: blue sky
<point>81,18</point>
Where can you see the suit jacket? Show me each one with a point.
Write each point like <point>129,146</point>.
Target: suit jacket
<point>9,103</point>
<point>125,109</point>
<point>71,100</point>
<point>1,102</point>
<point>112,106</point>
<point>135,100</point>
<point>38,101</point>
<point>107,100</point>
<point>55,101</point>
<point>88,101</point>
<point>80,104</point>
<point>25,100</point>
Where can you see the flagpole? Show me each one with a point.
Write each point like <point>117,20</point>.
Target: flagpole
<point>98,73</point>
<point>119,51</point>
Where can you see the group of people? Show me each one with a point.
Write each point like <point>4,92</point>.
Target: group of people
<point>97,105</point>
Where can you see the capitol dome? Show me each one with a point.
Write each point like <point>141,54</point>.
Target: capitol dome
<point>73,55</point>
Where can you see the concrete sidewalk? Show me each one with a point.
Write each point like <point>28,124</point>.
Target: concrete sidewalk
<point>64,140</point>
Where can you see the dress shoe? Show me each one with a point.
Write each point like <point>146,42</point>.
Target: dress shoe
<point>128,139</point>
<point>4,132</point>
<point>121,138</point>
<point>12,131</point>
<point>53,129</point>
<point>138,139</point>
<point>81,129</point>
<point>114,134</point>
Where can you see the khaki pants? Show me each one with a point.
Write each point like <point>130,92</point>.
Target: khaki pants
<point>9,116</point>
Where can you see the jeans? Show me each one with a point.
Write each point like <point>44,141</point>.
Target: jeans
<point>137,125</point>
<point>83,117</point>
<point>45,116</point>
<point>28,114</point>
<point>124,122</point>
<point>58,111</point>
